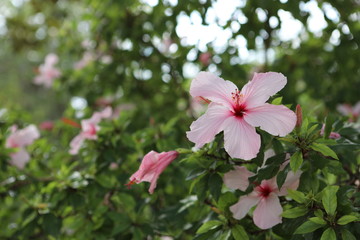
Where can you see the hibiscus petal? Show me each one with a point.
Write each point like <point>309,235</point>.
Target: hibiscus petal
<point>238,178</point>
<point>291,182</point>
<point>214,88</point>
<point>268,212</point>
<point>24,137</point>
<point>76,144</point>
<point>261,87</point>
<point>242,207</point>
<point>275,119</point>
<point>20,158</point>
<point>241,139</point>
<point>204,129</point>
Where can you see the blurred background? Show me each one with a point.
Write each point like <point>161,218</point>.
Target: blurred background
<point>143,49</point>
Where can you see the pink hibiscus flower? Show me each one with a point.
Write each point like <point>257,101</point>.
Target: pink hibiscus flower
<point>19,139</point>
<point>266,196</point>
<point>152,165</point>
<point>237,113</point>
<point>47,71</point>
<point>333,135</point>
<point>352,111</point>
<point>89,129</point>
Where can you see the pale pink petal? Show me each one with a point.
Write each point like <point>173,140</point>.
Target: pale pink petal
<point>212,87</point>
<point>20,158</point>
<point>51,59</point>
<point>241,139</point>
<point>356,109</point>
<point>23,137</point>
<point>344,109</point>
<point>204,129</point>
<point>268,212</point>
<point>261,87</point>
<point>89,129</point>
<point>275,119</point>
<point>238,178</point>
<point>76,144</point>
<point>291,182</point>
<point>245,203</point>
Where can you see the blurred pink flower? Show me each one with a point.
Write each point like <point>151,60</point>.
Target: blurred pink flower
<point>333,135</point>
<point>89,129</point>
<point>350,111</point>
<point>205,58</point>
<point>87,58</point>
<point>19,139</point>
<point>152,165</point>
<point>266,196</point>
<point>237,113</point>
<point>47,71</point>
<point>46,125</point>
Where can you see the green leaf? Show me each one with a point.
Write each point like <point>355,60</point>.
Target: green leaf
<point>202,187</point>
<point>239,233</point>
<point>208,226</point>
<point>281,176</point>
<point>226,200</point>
<point>328,234</point>
<point>52,224</point>
<point>347,235</point>
<point>296,160</point>
<point>277,101</point>
<point>329,199</point>
<point>296,195</point>
<point>215,184</point>
<point>294,212</point>
<point>318,220</point>
<point>346,219</point>
<point>328,126</point>
<point>324,150</point>
<point>307,227</point>
<point>319,213</point>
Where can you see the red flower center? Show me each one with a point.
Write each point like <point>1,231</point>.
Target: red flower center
<point>240,107</point>
<point>264,190</point>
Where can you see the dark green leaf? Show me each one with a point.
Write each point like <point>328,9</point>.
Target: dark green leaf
<point>323,149</point>
<point>296,161</point>
<point>294,212</point>
<point>208,226</point>
<point>215,185</point>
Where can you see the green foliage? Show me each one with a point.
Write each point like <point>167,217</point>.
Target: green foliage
<point>142,67</point>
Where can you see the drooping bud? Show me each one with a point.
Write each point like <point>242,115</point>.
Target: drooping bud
<point>299,118</point>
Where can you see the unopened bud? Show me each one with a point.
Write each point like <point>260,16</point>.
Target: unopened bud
<point>299,118</point>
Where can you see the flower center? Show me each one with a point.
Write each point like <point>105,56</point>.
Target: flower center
<point>239,107</point>
<point>264,190</point>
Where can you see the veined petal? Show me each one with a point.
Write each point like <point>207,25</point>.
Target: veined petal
<point>238,178</point>
<point>291,182</point>
<point>261,87</point>
<point>275,119</point>
<point>241,139</point>
<point>268,212</point>
<point>242,207</point>
<point>212,87</point>
<point>204,129</point>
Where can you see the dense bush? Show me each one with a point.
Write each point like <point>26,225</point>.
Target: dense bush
<point>99,97</point>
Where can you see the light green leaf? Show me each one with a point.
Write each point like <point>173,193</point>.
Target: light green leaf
<point>329,234</point>
<point>294,212</point>
<point>346,219</point>
<point>277,101</point>
<point>208,226</point>
<point>307,227</point>
<point>296,195</point>
<point>329,199</point>
<point>296,160</point>
<point>318,220</point>
<point>324,150</point>
<point>239,233</point>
